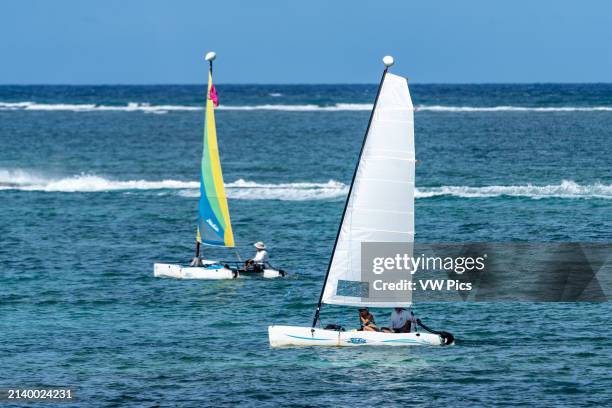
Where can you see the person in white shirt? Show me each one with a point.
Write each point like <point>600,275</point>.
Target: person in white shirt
<point>260,260</point>
<point>261,257</point>
<point>401,320</point>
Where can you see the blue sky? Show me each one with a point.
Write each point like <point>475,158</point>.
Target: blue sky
<point>308,41</point>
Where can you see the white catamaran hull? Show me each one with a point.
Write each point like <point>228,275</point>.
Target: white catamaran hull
<point>262,272</point>
<point>272,273</point>
<point>188,272</point>
<point>286,336</point>
<point>267,273</point>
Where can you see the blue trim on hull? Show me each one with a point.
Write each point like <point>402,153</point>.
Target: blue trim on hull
<point>404,341</point>
<point>307,338</point>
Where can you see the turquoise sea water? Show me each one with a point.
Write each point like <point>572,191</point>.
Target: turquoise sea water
<point>98,183</point>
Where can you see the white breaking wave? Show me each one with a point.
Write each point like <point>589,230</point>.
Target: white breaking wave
<point>298,191</point>
<point>338,107</point>
<point>566,189</point>
<point>148,108</point>
<point>27,181</point>
<point>130,107</point>
<point>303,191</point>
<point>440,108</point>
<point>302,108</point>
<point>240,189</point>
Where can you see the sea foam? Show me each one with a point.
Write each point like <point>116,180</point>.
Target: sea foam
<point>440,108</point>
<point>86,183</point>
<point>338,107</point>
<point>240,189</point>
<point>23,180</point>
<point>70,107</point>
<point>302,108</point>
<point>566,189</point>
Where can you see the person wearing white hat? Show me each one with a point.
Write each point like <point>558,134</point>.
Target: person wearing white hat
<point>261,257</point>
<point>260,260</point>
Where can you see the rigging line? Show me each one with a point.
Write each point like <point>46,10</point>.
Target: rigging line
<point>238,254</point>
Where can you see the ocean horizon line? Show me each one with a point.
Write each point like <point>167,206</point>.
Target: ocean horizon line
<point>304,84</point>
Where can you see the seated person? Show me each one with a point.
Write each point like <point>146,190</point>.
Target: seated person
<point>251,266</point>
<point>400,320</point>
<point>261,260</point>
<point>366,320</point>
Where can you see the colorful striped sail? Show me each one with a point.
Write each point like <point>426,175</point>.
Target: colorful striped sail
<point>214,225</point>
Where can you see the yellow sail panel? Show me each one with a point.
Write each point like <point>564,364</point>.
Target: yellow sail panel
<point>214,220</point>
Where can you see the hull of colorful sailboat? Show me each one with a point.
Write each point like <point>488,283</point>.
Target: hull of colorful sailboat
<point>214,227</point>
<point>266,273</point>
<point>210,270</point>
<point>289,336</point>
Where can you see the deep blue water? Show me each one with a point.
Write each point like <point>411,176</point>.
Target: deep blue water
<point>85,212</point>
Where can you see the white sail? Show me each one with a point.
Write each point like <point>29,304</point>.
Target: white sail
<point>381,205</point>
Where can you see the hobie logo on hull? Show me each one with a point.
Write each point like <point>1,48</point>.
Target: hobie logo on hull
<point>357,340</point>
<point>212,224</point>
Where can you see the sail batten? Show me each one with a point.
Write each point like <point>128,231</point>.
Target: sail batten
<point>214,224</point>
<point>380,207</point>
